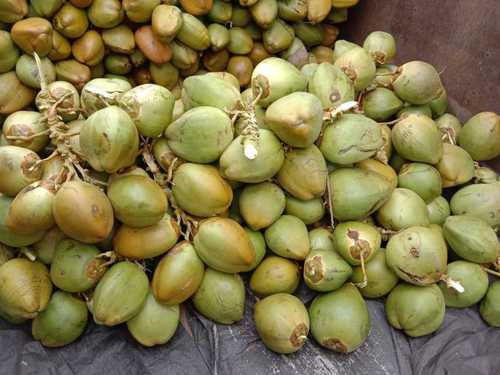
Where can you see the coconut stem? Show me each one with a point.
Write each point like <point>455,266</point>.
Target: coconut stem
<point>330,204</point>
<point>250,133</point>
<point>112,258</point>
<point>453,284</point>
<point>27,253</point>
<point>26,137</point>
<point>364,283</point>
<point>159,177</point>
<point>490,271</point>
<point>43,81</point>
<point>335,113</point>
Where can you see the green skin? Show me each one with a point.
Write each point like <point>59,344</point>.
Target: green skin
<point>292,11</point>
<point>279,37</point>
<point>178,275</point>
<point>308,71</point>
<point>200,135</point>
<point>140,11</point>
<point>417,138</point>
<point>75,267</point>
<point>137,201</point>
<point>381,279</point>
<point>26,123</point>
<point>358,65</point>
<point>423,179</point>
<point>381,46</point>
<point>356,241</point>
<point>9,54</point>
<point>418,311</point>
<point>356,193</point>
<point>474,280</point>
<point>117,64</point>
<point>325,270</point>
<point>282,322</point>
<point>220,297</point>
<point>381,104</point>
<point>224,245</point>
<point>209,91</point>
<point>147,242</point>
<point>310,34</point>
<point>264,12</point>
<point>480,136</point>
<point>31,210</point>
<point>241,16</point>
<point>155,324</point>
<point>422,110</point>
<point>165,75</point>
<point>83,212</point>
<point>106,13</point>
<point>438,210</point>
<point>6,254</point>
<point>119,39</point>
<point>183,57</point>
<point>471,238</point>
<point>240,41</point>
<point>276,78</point>
<point>221,12</point>
<point>340,320</point>
<point>288,237</point>
<point>341,47</point>
<point>403,210</point>
<point>111,86</point>
<point>485,175</point>
<point>120,294</point>
<point>62,322</point>
<point>109,140</point>
<point>254,31</point>
<point>200,190</point>
<point>219,36</point>
<point>193,33</point>
<point>418,255</point>
<point>46,247</point>
<point>25,288</point>
<point>235,166</point>
<point>7,236</point>
<point>449,126</point>
<point>304,173</point>
<point>259,245</point>
<point>296,119</point>
<point>15,173</point>
<point>439,105</point>
<point>456,166</point>
<point>275,275</point>
<point>226,77</point>
<point>261,204</point>
<point>479,200</point>
<point>490,306</point>
<point>330,84</point>
<point>417,82</point>
<point>321,239</point>
<point>309,211</point>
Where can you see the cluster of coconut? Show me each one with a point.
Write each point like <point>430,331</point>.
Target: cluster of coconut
<point>126,202</point>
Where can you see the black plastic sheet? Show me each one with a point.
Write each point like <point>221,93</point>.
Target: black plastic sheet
<point>463,345</point>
